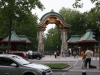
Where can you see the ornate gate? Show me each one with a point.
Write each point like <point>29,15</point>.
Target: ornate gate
<point>52,18</point>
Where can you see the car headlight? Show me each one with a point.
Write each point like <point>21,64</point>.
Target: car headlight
<point>43,71</point>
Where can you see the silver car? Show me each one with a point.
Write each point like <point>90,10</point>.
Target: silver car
<point>15,65</point>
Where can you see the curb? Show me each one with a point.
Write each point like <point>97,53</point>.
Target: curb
<point>67,69</point>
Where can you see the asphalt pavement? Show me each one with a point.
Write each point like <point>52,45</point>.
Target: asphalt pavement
<point>73,67</point>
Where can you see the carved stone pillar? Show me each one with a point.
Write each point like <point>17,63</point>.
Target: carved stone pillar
<point>40,37</point>
<point>64,46</point>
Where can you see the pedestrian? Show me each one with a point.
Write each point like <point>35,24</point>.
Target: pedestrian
<point>58,54</point>
<point>30,54</point>
<point>55,54</point>
<point>64,54</point>
<point>69,52</point>
<point>27,53</point>
<point>74,54</point>
<point>83,59</point>
<point>92,55</point>
<point>77,54</point>
<point>88,55</point>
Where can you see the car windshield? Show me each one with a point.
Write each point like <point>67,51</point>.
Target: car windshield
<point>20,60</point>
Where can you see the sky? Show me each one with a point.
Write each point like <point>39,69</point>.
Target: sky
<point>56,5</point>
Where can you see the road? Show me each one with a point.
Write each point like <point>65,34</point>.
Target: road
<point>76,63</point>
<point>75,73</point>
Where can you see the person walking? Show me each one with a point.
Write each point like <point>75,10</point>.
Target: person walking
<point>77,54</point>
<point>55,54</point>
<point>58,54</point>
<point>30,54</point>
<point>92,55</point>
<point>74,53</point>
<point>88,55</point>
<point>69,52</point>
<point>63,53</point>
<point>83,59</point>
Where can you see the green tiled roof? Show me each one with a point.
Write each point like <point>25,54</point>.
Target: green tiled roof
<point>13,37</point>
<point>23,37</point>
<point>17,38</point>
<point>74,38</point>
<point>87,36</point>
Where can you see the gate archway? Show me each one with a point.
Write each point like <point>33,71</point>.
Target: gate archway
<point>53,18</point>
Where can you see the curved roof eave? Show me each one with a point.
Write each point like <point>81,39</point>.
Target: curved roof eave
<point>52,14</point>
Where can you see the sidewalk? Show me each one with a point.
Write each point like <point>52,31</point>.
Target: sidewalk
<point>71,58</point>
<point>51,58</point>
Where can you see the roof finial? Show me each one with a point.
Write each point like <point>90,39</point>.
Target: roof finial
<point>52,10</point>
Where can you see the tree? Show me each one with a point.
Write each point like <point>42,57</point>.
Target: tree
<point>13,11</point>
<point>94,15</point>
<point>74,18</point>
<point>53,42</point>
<point>81,21</point>
<point>29,28</point>
<point>79,4</point>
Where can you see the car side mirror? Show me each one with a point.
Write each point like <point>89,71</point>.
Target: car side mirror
<point>14,65</point>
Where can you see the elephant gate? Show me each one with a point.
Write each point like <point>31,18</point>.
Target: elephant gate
<point>53,18</point>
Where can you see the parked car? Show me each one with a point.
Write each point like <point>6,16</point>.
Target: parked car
<point>36,55</point>
<point>11,64</point>
<point>20,53</point>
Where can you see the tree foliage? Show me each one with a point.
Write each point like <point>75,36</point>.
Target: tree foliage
<point>79,4</point>
<point>13,12</point>
<point>74,18</point>
<point>52,40</point>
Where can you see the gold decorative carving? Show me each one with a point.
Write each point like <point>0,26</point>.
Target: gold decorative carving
<point>52,10</point>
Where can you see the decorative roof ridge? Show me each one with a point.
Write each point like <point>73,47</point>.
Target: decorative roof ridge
<point>16,35</point>
<point>89,34</point>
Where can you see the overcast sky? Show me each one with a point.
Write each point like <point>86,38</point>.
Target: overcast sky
<point>56,5</point>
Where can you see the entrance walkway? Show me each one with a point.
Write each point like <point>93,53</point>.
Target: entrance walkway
<point>71,58</point>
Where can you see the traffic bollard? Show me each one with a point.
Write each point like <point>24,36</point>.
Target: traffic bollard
<point>83,73</point>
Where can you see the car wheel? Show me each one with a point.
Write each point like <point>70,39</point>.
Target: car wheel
<point>38,58</point>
